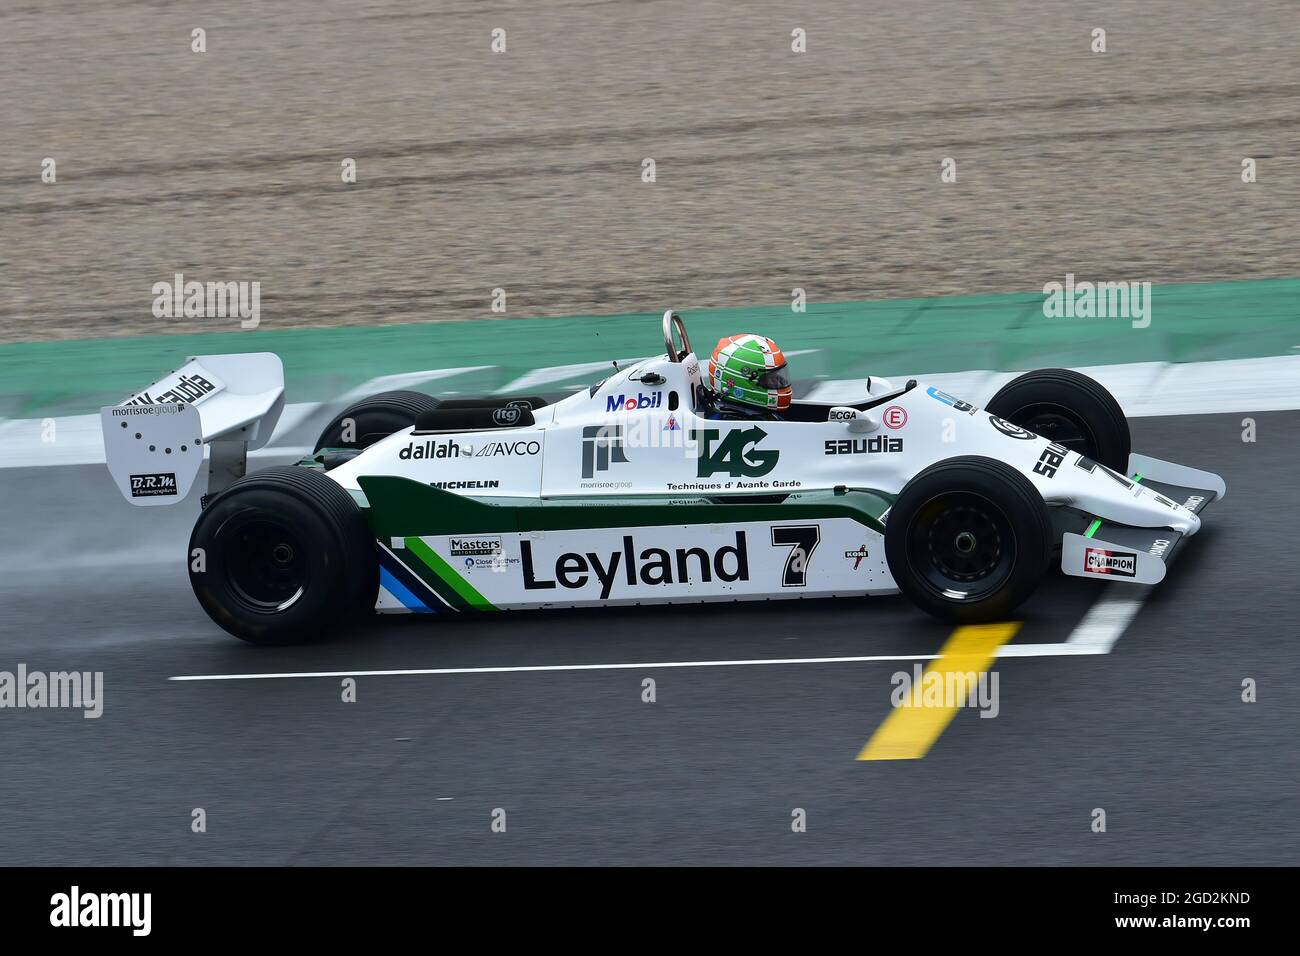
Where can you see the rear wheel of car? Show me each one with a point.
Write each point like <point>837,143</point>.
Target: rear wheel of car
<point>968,539</point>
<point>283,556</point>
<point>362,424</point>
<point>1071,410</point>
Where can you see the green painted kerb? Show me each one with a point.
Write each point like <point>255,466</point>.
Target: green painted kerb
<point>1192,322</point>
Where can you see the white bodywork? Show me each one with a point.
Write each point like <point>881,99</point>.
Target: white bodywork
<point>639,436</point>
<point>579,447</point>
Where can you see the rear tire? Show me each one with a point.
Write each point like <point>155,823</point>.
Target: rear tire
<point>375,418</point>
<point>968,539</point>
<point>1069,409</point>
<point>286,557</point>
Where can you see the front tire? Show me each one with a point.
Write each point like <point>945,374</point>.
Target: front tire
<point>968,539</point>
<point>1069,409</point>
<point>283,556</point>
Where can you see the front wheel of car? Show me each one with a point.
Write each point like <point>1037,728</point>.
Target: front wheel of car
<point>1070,409</point>
<point>283,556</point>
<point>968,539</point>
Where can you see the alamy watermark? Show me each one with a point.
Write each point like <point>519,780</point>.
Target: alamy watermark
<point>1098,300</point>
<point>75,908</point>
<point>946,688</point>
<point>37,690</point>
<point>208,300</point>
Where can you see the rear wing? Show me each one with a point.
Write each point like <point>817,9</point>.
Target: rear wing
<point>154,441</point>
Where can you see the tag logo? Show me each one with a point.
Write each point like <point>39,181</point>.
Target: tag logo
<point>736,455</point>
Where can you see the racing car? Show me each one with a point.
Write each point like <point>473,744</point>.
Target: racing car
<point>626,493</point>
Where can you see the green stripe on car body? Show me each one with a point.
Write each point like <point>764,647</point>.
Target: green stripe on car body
<point>465,591</point>
<point>398,507</point>
<point>1092,528</point>
<point>444,591</point>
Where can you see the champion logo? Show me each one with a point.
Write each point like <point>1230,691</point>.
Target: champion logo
<point>1104,561</point>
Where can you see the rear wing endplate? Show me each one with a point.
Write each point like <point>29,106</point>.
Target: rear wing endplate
<point>154,441</point>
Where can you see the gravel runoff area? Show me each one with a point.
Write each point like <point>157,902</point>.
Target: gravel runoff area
<point>523,170</point>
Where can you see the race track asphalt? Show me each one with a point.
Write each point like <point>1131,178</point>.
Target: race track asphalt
<point>1155,733</point>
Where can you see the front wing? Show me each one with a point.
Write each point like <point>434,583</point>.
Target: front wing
<point>1113,551</point>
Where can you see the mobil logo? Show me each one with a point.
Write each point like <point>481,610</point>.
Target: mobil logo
<point>630,403</point>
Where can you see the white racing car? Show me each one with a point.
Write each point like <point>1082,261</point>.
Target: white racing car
<point>624,493</point>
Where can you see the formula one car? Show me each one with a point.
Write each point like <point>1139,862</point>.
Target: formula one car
<point>624,494</point>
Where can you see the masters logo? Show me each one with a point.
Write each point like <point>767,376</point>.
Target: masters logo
<point>474,547</point>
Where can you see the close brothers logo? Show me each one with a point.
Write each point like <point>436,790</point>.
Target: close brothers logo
<point>1103,561</point>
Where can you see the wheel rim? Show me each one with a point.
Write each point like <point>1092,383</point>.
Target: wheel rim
<point>266,563</point>
<point>962,544</point>
<point>1056,423</point>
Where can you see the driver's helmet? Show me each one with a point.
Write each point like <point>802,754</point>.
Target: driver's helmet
<point>750,370</point>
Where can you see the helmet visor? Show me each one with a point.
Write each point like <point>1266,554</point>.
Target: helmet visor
<point>774,378</point>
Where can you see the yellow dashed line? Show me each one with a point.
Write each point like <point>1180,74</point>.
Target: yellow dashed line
<point>909,731</point>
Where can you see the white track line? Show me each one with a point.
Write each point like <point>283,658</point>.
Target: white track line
<point>1097,633</point>
<point>533,668</point>
<point>1108,618</point>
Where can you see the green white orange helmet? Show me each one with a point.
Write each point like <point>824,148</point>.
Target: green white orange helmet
<point>750,370</point>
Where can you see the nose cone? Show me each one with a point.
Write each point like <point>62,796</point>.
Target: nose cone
<point>1192,521</point>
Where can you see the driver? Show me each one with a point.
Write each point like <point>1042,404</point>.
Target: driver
<point>748,379</point>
